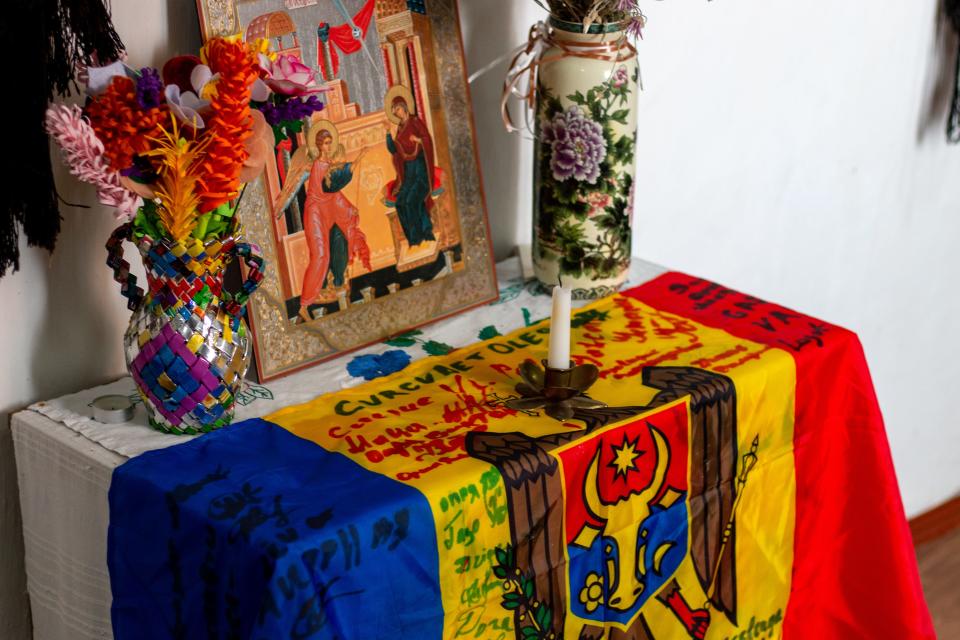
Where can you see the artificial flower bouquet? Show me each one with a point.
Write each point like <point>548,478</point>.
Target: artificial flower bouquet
<point>170,150</point>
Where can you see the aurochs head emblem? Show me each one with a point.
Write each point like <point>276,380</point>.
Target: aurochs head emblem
<point>626,524</point>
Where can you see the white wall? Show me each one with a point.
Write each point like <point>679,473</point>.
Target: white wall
<point>791,150</point>
<point>795,151</point>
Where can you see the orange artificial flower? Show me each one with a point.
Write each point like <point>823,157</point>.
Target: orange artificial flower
<point>231,124</point>
<point>124,127</point>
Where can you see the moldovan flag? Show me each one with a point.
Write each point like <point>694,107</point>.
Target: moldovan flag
<point>737,485</point>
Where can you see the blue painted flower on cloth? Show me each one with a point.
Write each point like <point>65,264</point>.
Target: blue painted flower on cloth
<point>578,146</point>
<point>373,366</point>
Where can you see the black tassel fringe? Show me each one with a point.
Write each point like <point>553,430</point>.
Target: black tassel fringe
<point>48,39</point>
<point>952,8</point>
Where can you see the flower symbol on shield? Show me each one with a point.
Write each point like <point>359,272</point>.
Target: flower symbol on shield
<point>592,593</point>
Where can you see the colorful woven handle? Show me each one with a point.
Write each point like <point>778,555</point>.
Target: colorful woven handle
<point>121,268</point>
<point>234,304</point>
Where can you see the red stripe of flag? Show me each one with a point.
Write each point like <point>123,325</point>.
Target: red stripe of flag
<point>854,568</point>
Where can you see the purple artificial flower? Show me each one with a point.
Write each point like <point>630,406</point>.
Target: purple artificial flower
<point>149,88</point>
<point>635,27</point>
<point>140,171</point>
<point>577,146</point>
<point>627,6</point>
<point>290,109</point>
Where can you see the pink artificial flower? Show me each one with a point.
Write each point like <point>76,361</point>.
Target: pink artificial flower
<point>287,75</point>
<point>83,153</point>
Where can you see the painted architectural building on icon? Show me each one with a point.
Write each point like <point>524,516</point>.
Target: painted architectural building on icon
<point>279,29</point>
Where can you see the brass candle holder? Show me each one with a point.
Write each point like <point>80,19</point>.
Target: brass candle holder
<point>557,391</point>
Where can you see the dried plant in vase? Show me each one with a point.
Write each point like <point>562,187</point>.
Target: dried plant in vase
<point>624,13</point>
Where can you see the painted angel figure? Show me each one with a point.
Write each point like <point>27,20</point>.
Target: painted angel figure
<point>331,223</point>
<point>414,163</point>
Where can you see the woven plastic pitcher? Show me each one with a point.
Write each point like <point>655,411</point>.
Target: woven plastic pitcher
<point>187,346</point>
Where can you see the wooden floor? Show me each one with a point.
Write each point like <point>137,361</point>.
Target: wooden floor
<point>939,562</point>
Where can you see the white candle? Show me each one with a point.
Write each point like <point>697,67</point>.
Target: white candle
<point>559,355</point>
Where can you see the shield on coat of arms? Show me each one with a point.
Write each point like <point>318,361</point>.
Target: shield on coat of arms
<point>626,523</point>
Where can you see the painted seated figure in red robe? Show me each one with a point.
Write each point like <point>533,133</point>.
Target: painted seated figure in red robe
<point>413,160</point>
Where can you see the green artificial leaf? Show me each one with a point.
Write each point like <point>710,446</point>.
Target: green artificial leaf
<point>488,332</point>
<point>200,229</point>
<point>435,348</point>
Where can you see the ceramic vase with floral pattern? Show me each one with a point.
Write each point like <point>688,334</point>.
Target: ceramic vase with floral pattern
<point>586,127</point>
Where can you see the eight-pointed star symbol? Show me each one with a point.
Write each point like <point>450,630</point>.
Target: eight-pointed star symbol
<point>624,457</point>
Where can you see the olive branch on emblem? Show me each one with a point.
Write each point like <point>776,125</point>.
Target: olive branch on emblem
<point>520,595</point>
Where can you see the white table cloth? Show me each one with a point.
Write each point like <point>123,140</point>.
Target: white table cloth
<point>65,459</point>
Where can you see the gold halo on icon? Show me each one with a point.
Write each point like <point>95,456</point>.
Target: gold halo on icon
<point>398,91</point>
<point>314,128</point>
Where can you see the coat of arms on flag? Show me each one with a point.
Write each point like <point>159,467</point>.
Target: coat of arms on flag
<point>648,523</point>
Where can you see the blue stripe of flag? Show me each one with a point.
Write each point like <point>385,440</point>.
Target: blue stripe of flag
<point>252,532</point>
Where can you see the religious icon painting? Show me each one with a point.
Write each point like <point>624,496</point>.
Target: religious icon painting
<point>372,216</point>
